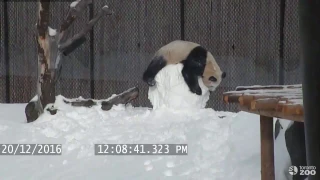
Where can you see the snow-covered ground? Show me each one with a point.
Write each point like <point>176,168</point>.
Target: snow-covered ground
<point>221,145</point>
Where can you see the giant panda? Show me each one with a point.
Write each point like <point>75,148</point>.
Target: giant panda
<point>197,62</point>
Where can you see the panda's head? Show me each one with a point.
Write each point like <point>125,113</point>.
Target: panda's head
<point>212,75</point>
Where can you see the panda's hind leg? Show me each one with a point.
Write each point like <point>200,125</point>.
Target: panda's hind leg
<point>156,64</point>
<point>191,80</point>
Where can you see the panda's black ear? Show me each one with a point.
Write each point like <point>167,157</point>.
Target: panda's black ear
<point>224,74</point>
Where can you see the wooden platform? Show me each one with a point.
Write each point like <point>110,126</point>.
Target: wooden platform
<point>268,101</point>
<point>273,101</point>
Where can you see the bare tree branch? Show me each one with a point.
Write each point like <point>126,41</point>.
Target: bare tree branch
<point>123,98</point>
<point>82,103</point>
<point>51,54</point>
<point>43,18</point>
<point>53,49</point>
<point>80,35</point>
<point>74,45</point>
<point>74,11</point>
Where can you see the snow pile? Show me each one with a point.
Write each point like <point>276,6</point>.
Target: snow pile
<point>220,145</point>
<point>171,91</point>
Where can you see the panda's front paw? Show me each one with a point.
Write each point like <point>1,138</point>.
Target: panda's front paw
<point>197,90</point>
<point>151,82</point>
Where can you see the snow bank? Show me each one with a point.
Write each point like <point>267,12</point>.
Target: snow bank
<point>221,145</point>
<point>171,91</point>
<point>216,151</point>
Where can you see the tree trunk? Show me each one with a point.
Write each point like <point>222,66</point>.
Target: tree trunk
<point>45,83</point>
<point>52,47</point>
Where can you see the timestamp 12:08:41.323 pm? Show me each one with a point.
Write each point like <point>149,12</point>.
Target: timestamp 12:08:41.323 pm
<point>141,149</point>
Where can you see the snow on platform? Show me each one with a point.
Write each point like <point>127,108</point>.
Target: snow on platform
<point>221,145</point>
<point>282,101</point>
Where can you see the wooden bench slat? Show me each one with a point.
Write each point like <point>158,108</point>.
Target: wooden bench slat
<point>272,101</point>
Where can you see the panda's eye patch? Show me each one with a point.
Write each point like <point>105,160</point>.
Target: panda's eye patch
<point>213,79</point>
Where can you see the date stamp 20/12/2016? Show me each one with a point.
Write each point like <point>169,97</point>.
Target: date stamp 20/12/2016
<point>99,149</point>
<point>30,149</point>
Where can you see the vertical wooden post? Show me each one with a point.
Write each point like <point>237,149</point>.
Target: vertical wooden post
<point>267,148</point>
<point>309,25</point>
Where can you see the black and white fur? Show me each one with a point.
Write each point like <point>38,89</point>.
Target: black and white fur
<point>194,58</point>
<point>293,134</point>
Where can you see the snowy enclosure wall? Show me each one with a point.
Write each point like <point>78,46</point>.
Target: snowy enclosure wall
<point>243,36</point>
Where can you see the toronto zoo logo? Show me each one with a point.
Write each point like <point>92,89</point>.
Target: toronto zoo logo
<point>293,170</point>
<point>303,170</point>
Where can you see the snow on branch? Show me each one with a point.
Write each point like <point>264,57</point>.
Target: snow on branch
<point>123,98</point>
<point>52,32</point>
<point>74,3</point>
<point>32,108</point>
